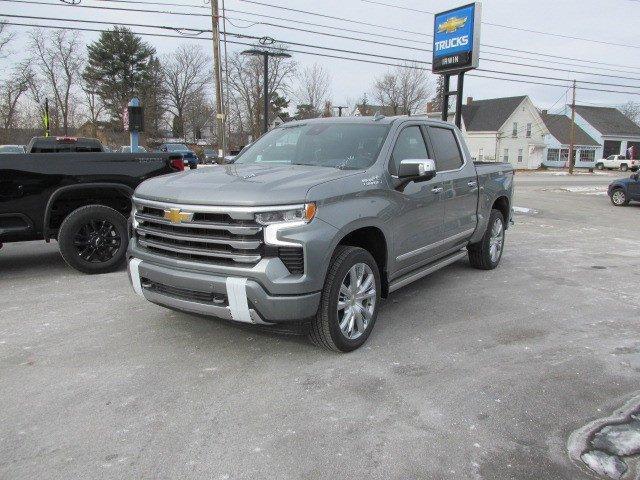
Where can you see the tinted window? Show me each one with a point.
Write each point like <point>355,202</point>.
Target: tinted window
<point>409,146</point>
<point>445,148</point>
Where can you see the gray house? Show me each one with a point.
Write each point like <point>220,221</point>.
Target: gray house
<point>558,141</point>
<point>610,128</point>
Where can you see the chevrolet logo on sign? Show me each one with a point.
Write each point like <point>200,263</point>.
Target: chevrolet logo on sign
<point>175,215</point>
<point>452,24</point>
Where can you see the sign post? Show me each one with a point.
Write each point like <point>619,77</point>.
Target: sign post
<point>134,122</point>
<point>456,49</point>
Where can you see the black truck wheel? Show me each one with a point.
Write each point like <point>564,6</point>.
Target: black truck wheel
<point>486,254</point>
<point>349,302</point>
<point>93,239</point>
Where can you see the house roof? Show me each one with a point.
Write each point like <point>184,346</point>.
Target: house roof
<point>560,127</point>
<point>489,115</point>
<point>608,120</point>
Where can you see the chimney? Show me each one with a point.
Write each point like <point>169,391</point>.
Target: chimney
<point>469,100</point>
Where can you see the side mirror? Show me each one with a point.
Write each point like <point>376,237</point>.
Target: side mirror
<point>417,170</point>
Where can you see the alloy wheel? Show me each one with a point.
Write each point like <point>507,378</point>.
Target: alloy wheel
<point>496,240</point>
<point>356,301</point>
<point>618,197</point>
<point>97,241</point>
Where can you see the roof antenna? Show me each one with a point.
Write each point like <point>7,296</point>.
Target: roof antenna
<point>378,116</point>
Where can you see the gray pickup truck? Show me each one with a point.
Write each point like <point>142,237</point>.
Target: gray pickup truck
<point>316,222</point>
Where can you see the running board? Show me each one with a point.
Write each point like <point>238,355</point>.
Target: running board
<point>426,270</point>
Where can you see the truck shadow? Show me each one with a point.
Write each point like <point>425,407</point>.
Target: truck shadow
<point>33,264</point>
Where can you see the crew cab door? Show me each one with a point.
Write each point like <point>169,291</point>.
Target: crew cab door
<point>459,182</point>
<point>418,217</point>
<point>634,187</point>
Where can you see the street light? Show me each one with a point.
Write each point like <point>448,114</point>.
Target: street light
<point>265,54</point>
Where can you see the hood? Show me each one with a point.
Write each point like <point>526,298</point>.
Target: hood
<point>239,184</point>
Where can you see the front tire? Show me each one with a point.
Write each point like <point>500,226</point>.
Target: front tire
<point>486,254</point>
<point>599,166</point>
<point>349,302</point>
<point>624,167</point>
<point>94,239</point>
<point>619,198</point>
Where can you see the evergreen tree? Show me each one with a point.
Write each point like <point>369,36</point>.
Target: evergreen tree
<point>437,98</point>
<point>121,66</point>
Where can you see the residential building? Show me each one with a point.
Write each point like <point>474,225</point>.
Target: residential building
<point>506,129</point>
<point>610,128</point>
<point>558,142</point>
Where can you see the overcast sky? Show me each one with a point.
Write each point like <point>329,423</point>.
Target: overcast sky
<point>614,21</point>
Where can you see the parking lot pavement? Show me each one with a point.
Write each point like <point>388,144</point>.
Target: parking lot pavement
<point>468,374</point>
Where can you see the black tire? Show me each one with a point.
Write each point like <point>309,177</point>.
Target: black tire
<point>324,329</point>
<point>94,239</point>
<point>480,253</point>
<point>600,166</point>
<point>624,167</point>
<point>619,198</point>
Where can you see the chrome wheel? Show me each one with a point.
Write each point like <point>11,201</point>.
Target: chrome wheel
<point>496,241</point>
<point>618,197</point>
<point>356,300</point>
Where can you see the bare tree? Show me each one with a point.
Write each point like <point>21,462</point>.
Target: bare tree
<point>59,60</point>
<point>199,115</point>
<point>5,38</point>
<point>246,87</point>
<point>631,110</point>
<point>94,107</point>
<point>313,87</point>
<point>187,74</point>
<point>404,90</point>
<point>11,91</point>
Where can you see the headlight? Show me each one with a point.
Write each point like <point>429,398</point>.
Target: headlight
<point>304,214</point>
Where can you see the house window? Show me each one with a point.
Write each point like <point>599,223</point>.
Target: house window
<point>587,155</point>
<point>553,155</point>
<point>528,130</point>
<point>564,155</point>
<point>505,156</point>
<point>480,154</point>
<point>519,155</point>
<point>514,133</point>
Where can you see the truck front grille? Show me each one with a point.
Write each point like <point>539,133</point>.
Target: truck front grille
<point>217,237</point>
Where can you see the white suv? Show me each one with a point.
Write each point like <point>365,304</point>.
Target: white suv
<point>618,162</point>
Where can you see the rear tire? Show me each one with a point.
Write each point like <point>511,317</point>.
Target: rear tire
<point>624,167</point>
<point>94,239</point>
<point>600,166</point>
<point>486,254</point>
<point>619,198</point>
<point>325,329</point>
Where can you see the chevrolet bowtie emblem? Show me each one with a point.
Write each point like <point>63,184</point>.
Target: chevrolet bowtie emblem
<point>175,215</point>
<point>451,25</point>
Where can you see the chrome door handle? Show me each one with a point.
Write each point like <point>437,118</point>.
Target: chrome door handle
<point>437,189</point>
<point>472,184</point>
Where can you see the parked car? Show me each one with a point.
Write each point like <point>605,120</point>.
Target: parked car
<point>210,156</point>
<point>625,190</point>
<point>64,145</point>
<point>316,222</point>
<point>12,149</point>
<point>127,149</point>
<point>82,200</point>
<point>190,158</point>
<point>617,162</point>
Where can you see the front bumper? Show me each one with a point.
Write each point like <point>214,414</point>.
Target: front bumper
<point>227,297</point>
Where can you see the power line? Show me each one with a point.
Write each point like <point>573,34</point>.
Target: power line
<point>303,52</point>
<point>520,29</point>
<point>305,45</point>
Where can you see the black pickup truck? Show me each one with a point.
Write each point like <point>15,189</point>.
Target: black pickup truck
<point>82,200</point>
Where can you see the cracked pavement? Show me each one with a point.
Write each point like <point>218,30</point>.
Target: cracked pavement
<point>468,374</point>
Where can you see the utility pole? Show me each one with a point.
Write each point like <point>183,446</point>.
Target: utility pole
<point>340,108</point>
<point>217,74</point>
<point>572,160</point>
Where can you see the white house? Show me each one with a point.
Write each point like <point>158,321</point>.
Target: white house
<point>610,128</point>
<point>506,129</point>
<point>558,141</point>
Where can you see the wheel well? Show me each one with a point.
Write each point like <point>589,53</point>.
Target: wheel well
<point>502,204</point>
<point>372,240</point>
<point>72,199</point>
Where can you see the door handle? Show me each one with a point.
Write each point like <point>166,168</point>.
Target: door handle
<point>437,189</point>
<point>472,184</point>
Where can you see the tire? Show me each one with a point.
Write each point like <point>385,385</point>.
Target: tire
<point>599,166</point>
<point>619,198</point>
<point>94,239</point>
<point>482,254</point>
<point>624,167</point>
<point>324,329</point>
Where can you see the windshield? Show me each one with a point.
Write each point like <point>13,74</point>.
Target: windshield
<point>350,146</point>
<point>177,147</point>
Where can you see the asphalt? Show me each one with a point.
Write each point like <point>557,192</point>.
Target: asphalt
<point>468,374</point>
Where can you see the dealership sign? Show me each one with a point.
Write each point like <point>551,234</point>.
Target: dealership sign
<point>456,39</point>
